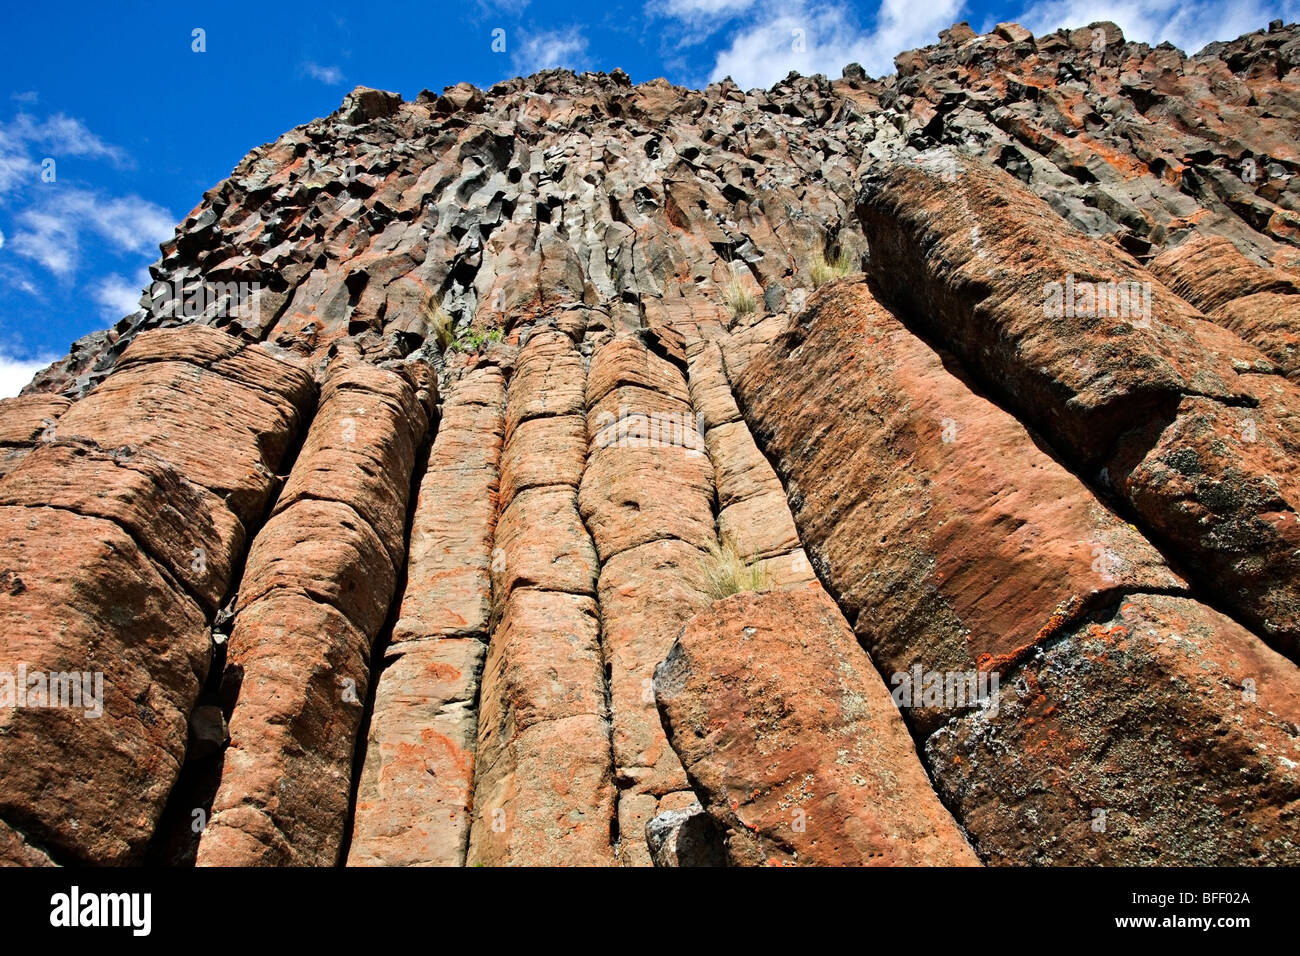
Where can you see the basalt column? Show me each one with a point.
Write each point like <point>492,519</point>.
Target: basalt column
<point>1132,724</point>
<point>416,790</point>
<point>315,593</point>
<point>120,531</point>
<point>647,496</point>
<point>543,788</point>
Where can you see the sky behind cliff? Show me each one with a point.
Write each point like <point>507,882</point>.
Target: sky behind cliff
<point>138,122</point>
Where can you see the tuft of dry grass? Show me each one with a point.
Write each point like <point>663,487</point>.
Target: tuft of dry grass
<point>739,299</point>
<point>440,320</point>
<point>824,270</point>
<point>723,572</point>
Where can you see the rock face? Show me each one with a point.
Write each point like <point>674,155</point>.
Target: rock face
<point>792,741</point>
<point>587,473</point>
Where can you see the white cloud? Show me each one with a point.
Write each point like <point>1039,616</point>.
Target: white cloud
<point>16,373</point>
<point>118,296</point>
<point>330,75</point>
<point>63,135</point>
<point>798,36</point>
<point>551,49</point>
<point>2,240</point>
<point>50,233</point>
<point>27,96</point>
<point>699,11</point>
<point>1188,24</point>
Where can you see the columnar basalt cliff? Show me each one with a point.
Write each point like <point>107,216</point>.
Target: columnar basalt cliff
<point>857,472</point>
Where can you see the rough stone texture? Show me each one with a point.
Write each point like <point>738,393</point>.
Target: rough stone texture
<point>1102,390</point>
<point>543,792</point>
<point>448,591</point>
<point>684,838</point>
<point>315,593</point>
<point>1169,718</point>
<point>102,576</point>
<point>1210,272</point>
<point>792,741</point>
<point>415,794</point>
<point>24,421</point>
<point>1272,322</point>
<point>224,424</point>
<point>543,781</point>
<point>989,249</point>
<point>1223,485</point>
<point>947,535</point>
<point>80,596</point>
<point>548,225</point>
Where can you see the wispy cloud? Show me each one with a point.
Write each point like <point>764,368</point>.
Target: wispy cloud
<point>1188,24</point>
<point>27,96</point>
<point>330,75</point>
<point>550,49</point>
<point>61,135</point>
<point>16,373</point>
<point>118,296</point>
<point>51,233</point>
<point>772,38</point>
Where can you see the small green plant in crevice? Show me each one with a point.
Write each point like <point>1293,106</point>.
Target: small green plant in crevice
<point>724,571</point>
<point>475,339</point>
<point>824,270</point>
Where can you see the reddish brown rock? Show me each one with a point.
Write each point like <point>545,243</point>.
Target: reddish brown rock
<point>25,421</point>
<point>183,526</point>
<point>325,550</point>
<point>225,425</point>
<point>361,447</point>
<point>415,794</point>
<point>793,744</point>
<point>996,262</point>
<point>448,592</point>
<point>416,791</point>
<point>1210,272</point>
<point>301,672</point>
<point>548,380</point>
<point>947,535</point>
<point>79,596</point>
<point>1222,484</point>
<point>543,791</point>
<point>631,496</point>
<point>315,593</point>
<point>1269,320</point>
<point>1156,733</point>
<point>544,451</point>
<point>541,543</point>
<point>646,594</point>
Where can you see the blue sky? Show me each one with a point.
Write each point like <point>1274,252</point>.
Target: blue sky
<point>134,124</point>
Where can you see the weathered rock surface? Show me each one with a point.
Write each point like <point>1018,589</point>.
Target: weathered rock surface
<point>314,595</point>
<point>1142,396</point>
<point>415,794</point>
<point>210,502</point>
<point>113,562</point>
<point>790,738</point>
<point>948,536</point>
